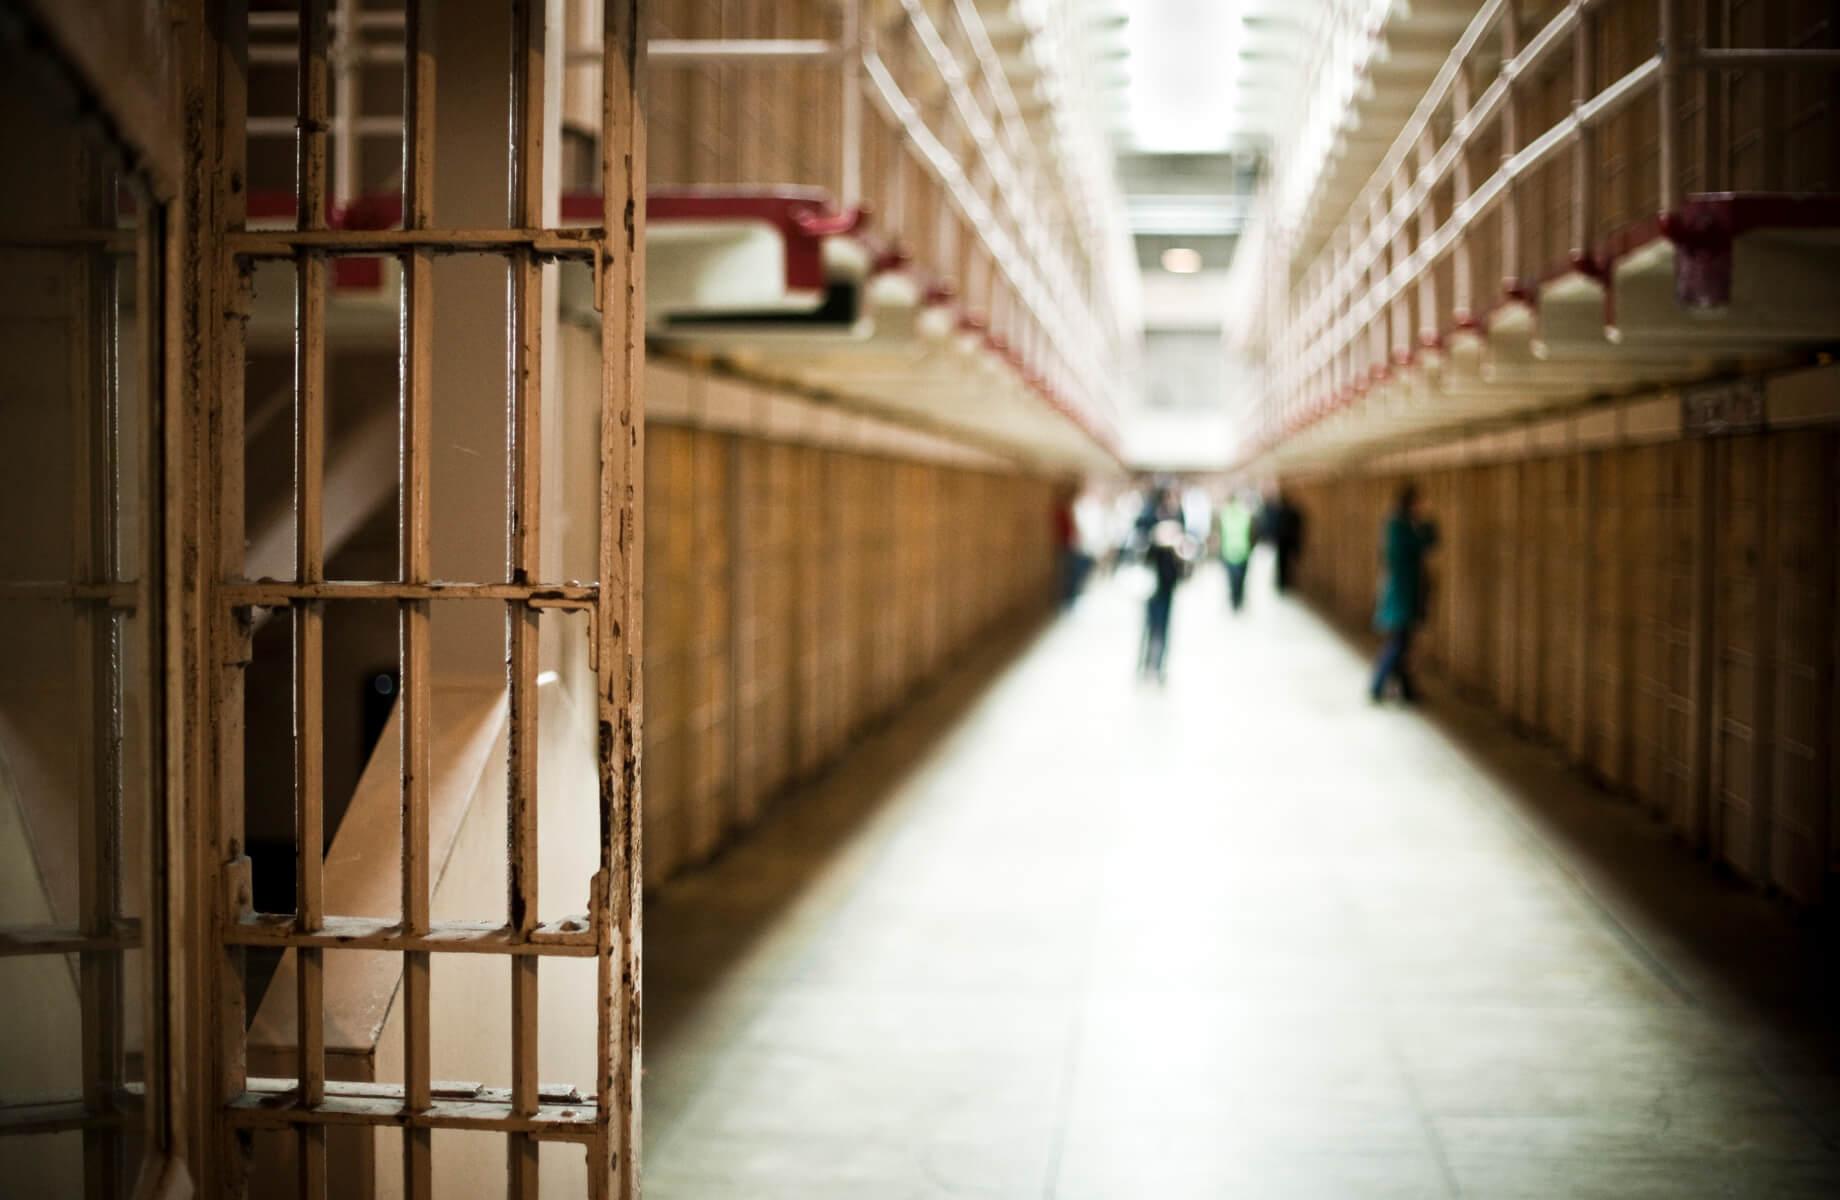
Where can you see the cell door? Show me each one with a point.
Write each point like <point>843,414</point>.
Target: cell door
<point>426,437</point>
<point>85,1107</point>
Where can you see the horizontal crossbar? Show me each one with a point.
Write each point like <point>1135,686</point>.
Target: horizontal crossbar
<point>124,934</point>
<point>275,1104</point>
<point>270,593</point>
<point>574,242</point>
<point>571,937</point>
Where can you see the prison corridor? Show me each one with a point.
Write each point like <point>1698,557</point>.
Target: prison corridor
<point>1059,932</point>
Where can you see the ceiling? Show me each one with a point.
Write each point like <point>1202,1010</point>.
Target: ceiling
<point>1198,91</point>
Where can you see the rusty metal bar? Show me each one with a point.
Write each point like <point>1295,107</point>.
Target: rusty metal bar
<point>416,563</point>
<point>309,567</point>
<point>613,1168</point>
<point>1674,56</point>
<point>216,299</point>
<point>269,1104</point>
<point>345,43</point>
<point>525,546</point>
<point>280,127</point>
<point>568,937</point>
<point>570,243</point>
<point>362,53</point>
<point>96,675</point>
<point>280,594</point>
<point>282,21</point>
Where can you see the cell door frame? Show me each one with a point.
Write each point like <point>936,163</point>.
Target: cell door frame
<point>214,267</point>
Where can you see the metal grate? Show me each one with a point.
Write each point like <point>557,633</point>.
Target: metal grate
<point>78,656</point>
<point>529,1115</point>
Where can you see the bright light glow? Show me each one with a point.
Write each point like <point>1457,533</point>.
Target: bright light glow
<point>1184,58</point>
<point>1180,260</point>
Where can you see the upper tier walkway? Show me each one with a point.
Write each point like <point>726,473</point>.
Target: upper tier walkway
<point>1061,934</point>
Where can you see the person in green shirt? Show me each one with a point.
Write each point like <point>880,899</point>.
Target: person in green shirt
<point>1400,607</point>
<point>1234,520</point>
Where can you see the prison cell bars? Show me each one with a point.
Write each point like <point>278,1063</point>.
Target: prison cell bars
<point>1318,353</point>
<point>347,53</point>
<point>101,600</point>
<point>527,1113</point>
<point>1050,320</point>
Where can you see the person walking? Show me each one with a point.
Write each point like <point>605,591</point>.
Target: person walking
<point>1167,557</point>
<point>1235,527</point>
<point>1282,523</point>
<point>1069,554</point>
<point>1405,537</point>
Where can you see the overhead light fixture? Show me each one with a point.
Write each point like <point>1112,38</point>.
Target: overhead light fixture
<point>1181,260</point>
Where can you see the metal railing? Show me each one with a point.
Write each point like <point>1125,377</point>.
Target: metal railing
<point>1041,233</point>
<point>1371,299</point>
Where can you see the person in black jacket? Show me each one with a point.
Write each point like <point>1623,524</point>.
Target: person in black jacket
<point>1282,526</point>
<point>1167,556</point>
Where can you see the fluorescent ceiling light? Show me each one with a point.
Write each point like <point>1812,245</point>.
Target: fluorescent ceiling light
<point>1181,260</point>
<point>1184,56</point>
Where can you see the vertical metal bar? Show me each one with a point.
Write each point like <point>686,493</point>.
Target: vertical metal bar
<point>1401,314</point>
<point>109,727</point>
<point>94,671</point>
<point>415,551</point>
<point>1429,319</point>
<point>1511,139</point>
<point>621,565</point>
<point>1462,279</point>
<point>1673,58</point>
<point>309,566</point>
<point>156,964</point>
<point>345,58</point>
<point>849,191</point>
<point>1584,149</point>
<point>1773,130</point>
<point>1713,84</point>
<point>211,326</point>
<point>525,467</point>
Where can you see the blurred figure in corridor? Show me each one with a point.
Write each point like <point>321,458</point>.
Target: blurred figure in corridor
<point>1234,524</point>
<point>1282,525</point>
<point>1167,556</point>
<point>1404,538</point>
<point>1072,556</point>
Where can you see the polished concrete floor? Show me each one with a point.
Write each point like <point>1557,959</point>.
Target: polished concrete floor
<point>1059,933</point>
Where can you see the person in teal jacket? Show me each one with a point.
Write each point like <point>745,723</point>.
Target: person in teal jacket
<point>1404,538</point>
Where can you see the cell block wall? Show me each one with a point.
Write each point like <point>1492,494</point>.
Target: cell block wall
<point>796,595</point>
<point>1663,614</point>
